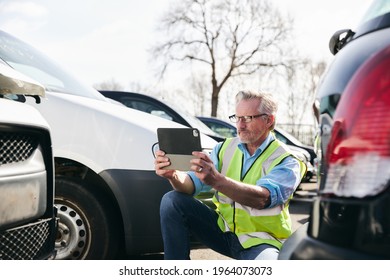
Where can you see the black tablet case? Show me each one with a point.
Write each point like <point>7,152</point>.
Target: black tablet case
<point>178,144</point>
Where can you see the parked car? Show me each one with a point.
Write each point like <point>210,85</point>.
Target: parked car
<point>107,192</point>
<point>303,152</point>
<point>28,225</point>
<point>291,140</point>
<point>350,218</point>
<point>160,108</point>
<point>219,126</point>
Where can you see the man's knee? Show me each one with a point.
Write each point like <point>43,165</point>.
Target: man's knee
<point>268,253</point>
<point>174,197</point>
<point>173,201</point>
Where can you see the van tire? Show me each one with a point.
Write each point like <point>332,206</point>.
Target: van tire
<point>84,228</point>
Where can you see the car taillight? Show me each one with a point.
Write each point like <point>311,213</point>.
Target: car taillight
<point>358,153</point>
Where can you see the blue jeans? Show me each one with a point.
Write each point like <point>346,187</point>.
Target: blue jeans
<point>182,215</point>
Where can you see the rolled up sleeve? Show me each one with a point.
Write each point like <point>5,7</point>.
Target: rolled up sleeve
<point>282,181</point>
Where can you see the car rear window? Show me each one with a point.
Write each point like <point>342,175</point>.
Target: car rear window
<point>376,9</point>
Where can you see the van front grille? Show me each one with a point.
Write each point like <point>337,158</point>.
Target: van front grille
<point>16,147</point>
<point>27,242</point>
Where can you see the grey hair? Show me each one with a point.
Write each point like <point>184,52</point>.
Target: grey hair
<point>268,104</point>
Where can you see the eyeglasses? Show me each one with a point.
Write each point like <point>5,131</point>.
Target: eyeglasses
<point>245,119</point>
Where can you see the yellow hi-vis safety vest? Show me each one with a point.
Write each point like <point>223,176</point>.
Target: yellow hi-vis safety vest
<point>252,226</point>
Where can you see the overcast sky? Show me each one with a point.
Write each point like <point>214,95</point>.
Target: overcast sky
<point>103,39</point>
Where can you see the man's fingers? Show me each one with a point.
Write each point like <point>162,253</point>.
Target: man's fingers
<point>202,156</point>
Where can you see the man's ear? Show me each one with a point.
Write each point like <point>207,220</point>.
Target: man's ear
<point>270,120</point>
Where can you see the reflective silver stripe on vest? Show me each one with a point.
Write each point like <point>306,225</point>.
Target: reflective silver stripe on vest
<point>262,235</point>
<point>227,228</point>
<point>263,212</point>
<point>253,211</point>
<point>268,162</point>
<point>229,152</point>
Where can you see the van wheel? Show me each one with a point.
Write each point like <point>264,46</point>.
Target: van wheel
<point>84,230</point>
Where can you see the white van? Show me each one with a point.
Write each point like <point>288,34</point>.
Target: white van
<point>27,213</point>
<point>107,192</point>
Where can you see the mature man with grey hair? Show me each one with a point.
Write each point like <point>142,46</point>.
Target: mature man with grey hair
<point>254,177</point>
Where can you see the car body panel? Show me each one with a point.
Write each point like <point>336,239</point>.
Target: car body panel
<point>8,114</point>
<point>134,198</point>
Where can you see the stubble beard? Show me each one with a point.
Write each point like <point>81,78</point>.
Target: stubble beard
<point>245,137</point>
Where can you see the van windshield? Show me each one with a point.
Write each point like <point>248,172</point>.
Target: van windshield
<point>39,67</point>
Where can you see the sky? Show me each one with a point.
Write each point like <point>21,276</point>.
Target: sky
<point>102,40</point>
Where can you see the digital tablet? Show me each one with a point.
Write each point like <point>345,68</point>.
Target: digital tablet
<point>178,145</point>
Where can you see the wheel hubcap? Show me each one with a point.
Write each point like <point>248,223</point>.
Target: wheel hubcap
<point>72,240</point>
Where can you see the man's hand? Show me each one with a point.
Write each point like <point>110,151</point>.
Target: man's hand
<point>160,162</point>
<point>246,194</point>
<point>179,180</point>
<point>204,169</point>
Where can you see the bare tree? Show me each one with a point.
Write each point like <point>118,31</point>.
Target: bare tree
<point>228,38</point>
<point>198,85</point>
<point>108,85</point>
<point>302,80</point>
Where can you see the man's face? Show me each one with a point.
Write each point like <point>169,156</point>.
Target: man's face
<point>255,131</point>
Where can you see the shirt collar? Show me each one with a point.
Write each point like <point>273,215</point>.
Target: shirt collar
<point>260,149</point>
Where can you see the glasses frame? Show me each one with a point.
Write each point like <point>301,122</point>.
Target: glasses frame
<point>246,119</point>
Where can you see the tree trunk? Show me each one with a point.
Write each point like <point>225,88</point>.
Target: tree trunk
<point>214,101</point>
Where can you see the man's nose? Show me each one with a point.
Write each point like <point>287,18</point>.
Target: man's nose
<point>240,123</point>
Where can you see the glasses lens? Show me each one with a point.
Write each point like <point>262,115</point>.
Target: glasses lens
<point>246,119</point>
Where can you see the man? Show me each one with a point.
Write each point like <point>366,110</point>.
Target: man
<point>254,177</point>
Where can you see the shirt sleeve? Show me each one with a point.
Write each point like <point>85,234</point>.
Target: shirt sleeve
<point>282,181</point>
